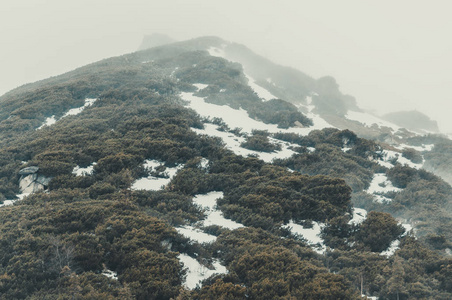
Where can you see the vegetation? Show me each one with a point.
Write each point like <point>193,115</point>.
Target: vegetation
<point>59,244</point>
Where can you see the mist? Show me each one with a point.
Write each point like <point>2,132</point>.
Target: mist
<point>389,55</point>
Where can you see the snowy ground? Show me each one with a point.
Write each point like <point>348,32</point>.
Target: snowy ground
<point>238,118</point>
<point>110,274</point>
<point>153,183</point>
<point>197,272</point>
<point>389,156</point>
<point>380,184</point>
<point>72,112</point>
<point>260,91</point>
<point>78,171</point>
<point>312,235</point>
<point>196,234</point>
<point>368,120</point>
<point>11,202</point>
<point>213,217</point>
<point>359,215</point>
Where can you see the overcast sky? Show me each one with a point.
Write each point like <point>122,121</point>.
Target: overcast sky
<point>390,55</point>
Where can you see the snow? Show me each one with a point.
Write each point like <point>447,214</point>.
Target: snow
<point>110,274</point>
<point>48,122</point>
<point>76,111</point>
<point>239,118</point>
<point>153,183</point>
<point>359,215</point>
<point>260,91</point>
<point>368,119</point>
<point>319,122</point>
<point>417,148</point>
<point>152,164</point>
<point>214,216</point>
<point>72,112</point>
<point>201,86</point>
<point>78,171</point>
<point>197,272</point>
<point>204,163</point>
<point>196,234</point>
<point>11,202</point>
<point>214,51</point>
<point>233,143</point>
<point>7,203</point>
<point>392,248</point>
<point>312,235</point>
<point>380,184</point>
<point>390,155</point>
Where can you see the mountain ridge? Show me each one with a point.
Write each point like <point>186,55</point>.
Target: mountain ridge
<point>172,160</point>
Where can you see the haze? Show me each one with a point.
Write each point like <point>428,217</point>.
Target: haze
<point>390,55</point>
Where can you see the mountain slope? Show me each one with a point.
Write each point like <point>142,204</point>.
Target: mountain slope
<point>169,165</point>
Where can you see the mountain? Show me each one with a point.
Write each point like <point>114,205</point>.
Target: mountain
<point>412,120</point>
<point>200,170</point>
<point>155,40</point>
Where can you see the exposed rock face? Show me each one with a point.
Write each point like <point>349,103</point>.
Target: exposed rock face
<point>30,181</point>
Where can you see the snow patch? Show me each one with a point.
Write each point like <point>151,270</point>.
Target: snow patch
<point>48,122</point>
<point>196,234</point>
<point>233,143</point>
<point>368,119</point>
<point>261,92</point>
<point>72,112</point>
<point>78,171</point>
<point>76,111</point>
<point>110,274</point>
<point>380,184</point>
<point>214,216</point>
<point>197,272</point>
<point>153,183</point>
<point>312,235</point>
<point>392,248</point>
<point>200,86</point>
<point>11,202</point>
<point>359,215</point>
<point>218,52</point>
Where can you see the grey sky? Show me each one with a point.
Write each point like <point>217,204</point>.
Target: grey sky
<point>390,55</point>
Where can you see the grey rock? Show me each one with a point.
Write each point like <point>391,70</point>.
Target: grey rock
<point>28,170</point>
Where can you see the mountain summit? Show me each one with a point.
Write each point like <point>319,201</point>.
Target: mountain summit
<point>201,170</point>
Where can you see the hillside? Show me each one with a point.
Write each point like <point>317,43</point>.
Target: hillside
<point>200,170</point>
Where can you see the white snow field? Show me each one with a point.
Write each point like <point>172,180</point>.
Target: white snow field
<point>214,216</point>
<point>238,118</point>
<point>196,234</point>
<point>312,235</point>
<point>359,215</point>
<point>152,183</point>
<point>197,272</point>
<point>381,184</point>
<point>78,171</point>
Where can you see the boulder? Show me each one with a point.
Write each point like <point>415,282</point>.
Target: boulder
<point>30,181</point>
<point>28,170</point>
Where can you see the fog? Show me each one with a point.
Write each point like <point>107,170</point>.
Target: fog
<point>390,55</point>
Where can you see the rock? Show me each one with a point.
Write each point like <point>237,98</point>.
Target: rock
<point>28,170</point>
<point>30,181</point>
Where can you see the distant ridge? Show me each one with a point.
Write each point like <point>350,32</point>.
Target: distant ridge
<point>155,40</point>
<point>412,120</point>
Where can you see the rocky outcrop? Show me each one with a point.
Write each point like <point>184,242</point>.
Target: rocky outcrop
<point>31,181</point>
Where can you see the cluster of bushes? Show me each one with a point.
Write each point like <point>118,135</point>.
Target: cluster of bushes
<point>56,244</point>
